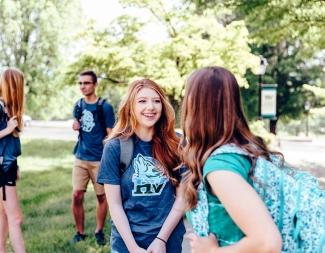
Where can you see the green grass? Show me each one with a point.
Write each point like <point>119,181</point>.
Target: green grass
<point>45,196</point>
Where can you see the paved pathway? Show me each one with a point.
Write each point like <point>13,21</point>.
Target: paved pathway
<point>306,154</point>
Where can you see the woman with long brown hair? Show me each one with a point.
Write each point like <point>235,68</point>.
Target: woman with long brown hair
<point>11,124</point>
<point>146,216</point>
<point>212,116</point>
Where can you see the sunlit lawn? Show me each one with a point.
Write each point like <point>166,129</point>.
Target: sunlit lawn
<point>45,194</point>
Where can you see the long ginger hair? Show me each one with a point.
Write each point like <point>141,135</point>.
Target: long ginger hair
<point>165,141</point>
<point>212,115</point>
<point>12,93</point>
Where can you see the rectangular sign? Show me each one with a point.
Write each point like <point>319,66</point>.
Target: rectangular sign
<point>268,101</point>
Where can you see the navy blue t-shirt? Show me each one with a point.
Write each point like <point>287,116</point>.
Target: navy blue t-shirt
<point>147,195</point>
<point>10,147</point>
<point>91,133</point>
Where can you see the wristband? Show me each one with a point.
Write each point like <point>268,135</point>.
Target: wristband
<point>161,239</point>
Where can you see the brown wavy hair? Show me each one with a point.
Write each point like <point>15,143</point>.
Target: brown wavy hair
<point>165,141</point>
<point>212,115</point>
<point>12,93</point>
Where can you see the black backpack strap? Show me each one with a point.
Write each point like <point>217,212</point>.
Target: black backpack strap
<point>100,113</point>
<point>101,101</point>
<point>78,113</point>
<point>126,153</point>
<point>78,108</point>
<point>3,116</point>
<point>2,172</point>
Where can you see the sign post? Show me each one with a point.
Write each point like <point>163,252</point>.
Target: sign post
<point>268,101</point>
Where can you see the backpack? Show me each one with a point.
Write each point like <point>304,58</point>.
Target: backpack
<point>80,105</point>
<point>126,147</point>
<point>293,198</point>
<point>126,152</point>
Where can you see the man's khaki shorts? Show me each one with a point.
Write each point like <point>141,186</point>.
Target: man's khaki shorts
<point>82,172</point>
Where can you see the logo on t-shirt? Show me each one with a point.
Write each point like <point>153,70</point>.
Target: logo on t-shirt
<point>148,179</point>
<point>87,120</point>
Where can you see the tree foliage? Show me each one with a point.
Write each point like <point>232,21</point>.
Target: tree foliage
<point>287,69</point>
<point>289,35</point>
<point>193,40</point>
<point>272,21</point>
<point>33,36</point>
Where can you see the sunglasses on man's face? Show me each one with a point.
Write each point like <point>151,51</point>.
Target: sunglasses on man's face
<point>85,83</point>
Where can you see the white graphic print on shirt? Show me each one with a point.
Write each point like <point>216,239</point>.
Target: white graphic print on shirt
<point>87,120</point>
<point>148,179</point>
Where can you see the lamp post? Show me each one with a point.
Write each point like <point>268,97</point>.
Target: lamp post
<point>260,73</point>
<point>307,108</point>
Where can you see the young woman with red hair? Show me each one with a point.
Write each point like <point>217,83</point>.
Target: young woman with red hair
<point>145,213</point>
<point>11,123</point>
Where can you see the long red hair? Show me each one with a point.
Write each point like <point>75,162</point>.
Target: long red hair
<point>12,93</point>
<point>165,141</point>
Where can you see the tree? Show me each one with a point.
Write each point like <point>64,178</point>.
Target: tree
<point>192,41</point>
<point>289,35</point>
<point>287,69</point>
<point>273,21</point>
<point>33,36</point>
<point>115,54</point>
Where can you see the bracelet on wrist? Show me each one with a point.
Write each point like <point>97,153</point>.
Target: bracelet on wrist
<point>161,239</point>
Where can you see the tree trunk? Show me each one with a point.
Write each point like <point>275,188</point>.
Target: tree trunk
<point>273,123</point>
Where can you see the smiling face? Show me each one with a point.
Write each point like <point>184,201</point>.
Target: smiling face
<point>147,108</point>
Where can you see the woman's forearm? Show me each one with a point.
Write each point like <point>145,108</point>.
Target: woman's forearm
<point>209,244</point>
<point>122,224</point>
<point>173,218</point>
<point>250,245</point>
<point>4,132</point>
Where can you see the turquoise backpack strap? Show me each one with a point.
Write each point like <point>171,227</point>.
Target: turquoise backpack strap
<point>229,148</point>
<point>127,148</point>
<point>198,216</point>
<point>321,246</point>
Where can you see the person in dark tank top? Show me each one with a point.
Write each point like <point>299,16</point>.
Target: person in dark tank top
<point>11,124</point>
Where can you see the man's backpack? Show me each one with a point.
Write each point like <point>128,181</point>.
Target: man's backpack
<point>80,105</point>
<point>293,198</point>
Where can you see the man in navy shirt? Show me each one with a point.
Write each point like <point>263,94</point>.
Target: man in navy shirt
<point>94,119</point>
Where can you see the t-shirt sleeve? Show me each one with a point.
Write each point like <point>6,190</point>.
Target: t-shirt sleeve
<point>239,164</point>
<point>109,169</point>
<point>109,115</point>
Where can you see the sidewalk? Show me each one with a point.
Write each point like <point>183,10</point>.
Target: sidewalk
<point>319,140</point>
<point>52,123</point>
